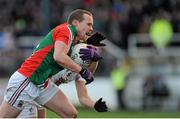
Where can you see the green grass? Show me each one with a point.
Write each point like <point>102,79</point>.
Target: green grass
<point>88,113</point>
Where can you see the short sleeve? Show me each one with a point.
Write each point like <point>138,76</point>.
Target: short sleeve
<point>61,34</point>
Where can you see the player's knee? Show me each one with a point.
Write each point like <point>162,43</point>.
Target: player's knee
<point>7,111</point>
<point>72,114</point>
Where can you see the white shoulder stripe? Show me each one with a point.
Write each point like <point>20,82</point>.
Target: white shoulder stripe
<point>70,38</point>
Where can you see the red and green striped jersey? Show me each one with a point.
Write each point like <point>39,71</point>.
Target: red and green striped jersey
<point>41,64</point>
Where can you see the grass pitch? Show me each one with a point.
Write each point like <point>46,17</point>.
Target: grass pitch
<point>89,113</point>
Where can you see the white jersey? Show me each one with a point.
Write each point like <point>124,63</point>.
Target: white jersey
<point>65,76</point>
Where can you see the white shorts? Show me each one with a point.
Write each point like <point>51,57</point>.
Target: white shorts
<point>30,111</point>
<point>21,92</point>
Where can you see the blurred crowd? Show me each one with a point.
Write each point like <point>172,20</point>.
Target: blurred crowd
<point>115,18</point>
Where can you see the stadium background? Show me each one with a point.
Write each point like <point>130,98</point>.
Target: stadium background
<point>126,23</point>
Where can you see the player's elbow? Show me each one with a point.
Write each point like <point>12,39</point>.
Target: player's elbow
<point>59,59</point>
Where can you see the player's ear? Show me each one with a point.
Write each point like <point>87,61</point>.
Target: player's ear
<point>75,22</point>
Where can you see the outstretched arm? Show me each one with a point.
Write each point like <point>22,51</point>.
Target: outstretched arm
<point>85,99</point>
<point>83,94</point>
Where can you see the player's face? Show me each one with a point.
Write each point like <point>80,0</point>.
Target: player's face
<point>85,27</point>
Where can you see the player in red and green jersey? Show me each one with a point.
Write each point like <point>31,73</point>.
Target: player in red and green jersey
<point>42,59</point>
<point>29,82</point>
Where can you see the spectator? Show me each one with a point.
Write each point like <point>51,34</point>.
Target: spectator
<point>155,92</point>
<point>119,75</point>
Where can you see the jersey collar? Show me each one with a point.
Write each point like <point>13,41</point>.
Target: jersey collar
<point>73,29</point>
